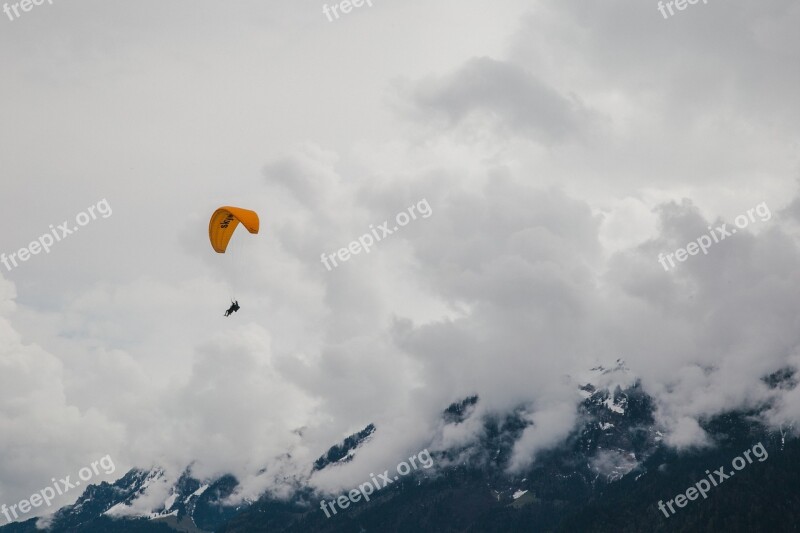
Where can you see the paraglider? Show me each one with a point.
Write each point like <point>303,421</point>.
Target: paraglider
<point>224,222</point>
<point>220,230</point>
<point>233,308</point>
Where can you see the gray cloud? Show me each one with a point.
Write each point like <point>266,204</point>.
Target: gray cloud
<point>506,96</point>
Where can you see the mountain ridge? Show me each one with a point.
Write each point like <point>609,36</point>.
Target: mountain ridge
<point>615,453</point>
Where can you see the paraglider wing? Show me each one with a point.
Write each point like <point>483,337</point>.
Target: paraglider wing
<point>223,223</point>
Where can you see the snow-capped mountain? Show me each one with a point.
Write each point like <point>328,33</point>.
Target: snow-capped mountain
<point>614,454</point>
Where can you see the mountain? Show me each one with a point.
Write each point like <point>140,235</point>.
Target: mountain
<point>609,475</point>
<point>192,507</point>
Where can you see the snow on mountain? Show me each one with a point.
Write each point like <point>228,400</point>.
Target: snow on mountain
<point>614,437</point>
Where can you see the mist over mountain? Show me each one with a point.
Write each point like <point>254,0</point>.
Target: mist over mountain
<point>608,475</point>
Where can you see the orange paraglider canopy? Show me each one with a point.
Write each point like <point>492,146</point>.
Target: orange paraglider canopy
<point>223,223</point>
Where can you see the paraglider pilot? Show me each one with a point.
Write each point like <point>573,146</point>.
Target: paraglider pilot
<point>233,308</point>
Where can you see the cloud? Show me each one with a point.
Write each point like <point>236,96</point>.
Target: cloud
<point>35,413</point>
<point>506,96</point>
<point>549,428</point>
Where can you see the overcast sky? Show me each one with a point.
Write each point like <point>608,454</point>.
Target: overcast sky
<point>560,144</point>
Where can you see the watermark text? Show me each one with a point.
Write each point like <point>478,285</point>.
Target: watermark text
<point>366,241</point>
<point>365,489</point>
<point>56,234</point>
<point>720,233</point>
<point>61,486</point>
<point>715,478</point>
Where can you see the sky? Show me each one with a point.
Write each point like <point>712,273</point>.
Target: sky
<point>551,150</point>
